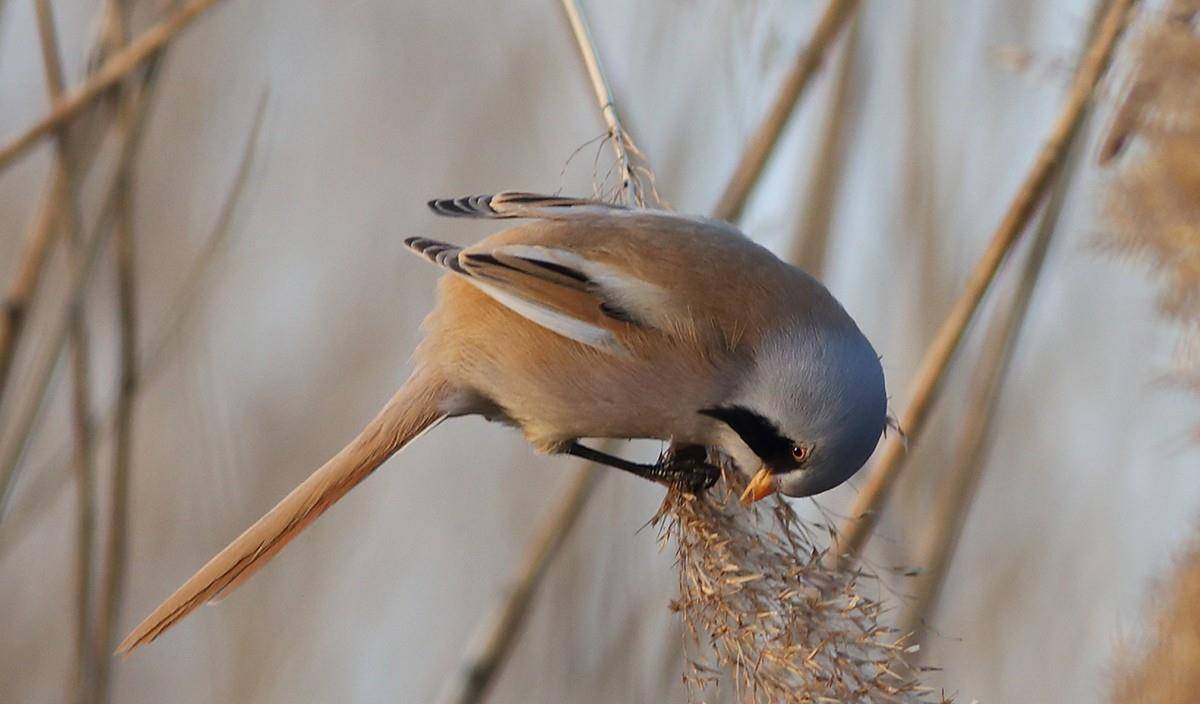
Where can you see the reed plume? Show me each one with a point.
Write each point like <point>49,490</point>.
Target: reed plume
<point>1152,198</point>
<point>763,612</point>
<point>1168,672</point>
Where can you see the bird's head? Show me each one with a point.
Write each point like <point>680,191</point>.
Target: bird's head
<point>808,413</point>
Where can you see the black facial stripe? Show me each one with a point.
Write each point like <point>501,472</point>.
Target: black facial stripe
<point>760,435</point>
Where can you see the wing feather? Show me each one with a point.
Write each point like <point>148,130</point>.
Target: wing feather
<point>543,286</point>
<point>517,204</point>
<point>612,270</point>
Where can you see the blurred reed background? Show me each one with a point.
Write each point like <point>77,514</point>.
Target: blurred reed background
<point>206,294</point>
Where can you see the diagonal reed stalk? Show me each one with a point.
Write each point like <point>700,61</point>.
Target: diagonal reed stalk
<point>754,159</point>
<point>927,383</point>
<point>956,494</point>
<point>497,632</point>
<point>50,478</point>
<point>115,561</point>
<point>13,450</point>
<point>815,225</point>
<point>149,44</point>
<point>42,232</point>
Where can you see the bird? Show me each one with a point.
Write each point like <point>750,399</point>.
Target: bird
<point>596,320</point>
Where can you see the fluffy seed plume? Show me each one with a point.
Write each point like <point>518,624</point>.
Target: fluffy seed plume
<point>764,615</point>
<point>1152,200</point>
<point>1168,671</point>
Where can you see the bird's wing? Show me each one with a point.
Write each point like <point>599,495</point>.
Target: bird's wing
<point>597,273</point>
<point>553,288</point>
<point>516,204</point>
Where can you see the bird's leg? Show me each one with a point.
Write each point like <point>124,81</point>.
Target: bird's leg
<point>685,468</point>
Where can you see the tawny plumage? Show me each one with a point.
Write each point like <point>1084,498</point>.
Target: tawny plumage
<point>595,320</point>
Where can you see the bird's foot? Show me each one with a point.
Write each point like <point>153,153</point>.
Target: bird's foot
<point>687,468</point>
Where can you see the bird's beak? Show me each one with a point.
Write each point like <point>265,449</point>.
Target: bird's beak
<point>760,487</point>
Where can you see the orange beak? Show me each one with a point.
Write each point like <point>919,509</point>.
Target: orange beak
<point>760,487</point>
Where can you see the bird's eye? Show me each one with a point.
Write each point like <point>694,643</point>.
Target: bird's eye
<point>800,453</point>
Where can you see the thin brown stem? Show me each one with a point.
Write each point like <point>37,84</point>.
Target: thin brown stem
<point>112,586</point>
<point>14,311</point>
<point>116,554</point>
<point>955,495</point>
<point>50,479</point>
<point>815,227</point>
<point>39,241</point>
<point>927,383</point>
<point>70,219</point>
<point>28,416</point>
<point>493,639</point>
<point>617,136</point>
<point>622,143</point>
<point>14,449</point>
<point>762,144</point>
<point>116,68</point>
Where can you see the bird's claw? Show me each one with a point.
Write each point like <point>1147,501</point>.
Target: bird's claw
<point>688,469</point>
<point>698,478</point>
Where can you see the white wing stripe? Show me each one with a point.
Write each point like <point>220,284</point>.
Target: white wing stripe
<point>565,325</point>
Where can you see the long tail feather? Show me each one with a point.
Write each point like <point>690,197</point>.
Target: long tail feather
<point>413,409</point>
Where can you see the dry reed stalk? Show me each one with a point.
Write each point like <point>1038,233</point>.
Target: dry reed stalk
<point>70,217</point>
<point>754,159</point>
<point>40,238</point>
<point>927,382</point>
<point>956,493</point>
<point>14,311</point>
<point>116,553</point>
<point>1152,203</point>
<point>761,608</point>
<point>828,164</point>
<point>115,562</point>
<point>78,280</point>
<point>622,144</point>
<point>50,479</point>
<point>112,72</point>
<point>1168,669</point>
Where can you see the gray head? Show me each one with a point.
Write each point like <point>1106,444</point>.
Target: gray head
<point>810,411</point>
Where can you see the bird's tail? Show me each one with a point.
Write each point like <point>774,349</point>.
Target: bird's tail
<point>414,408</point>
